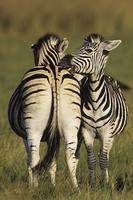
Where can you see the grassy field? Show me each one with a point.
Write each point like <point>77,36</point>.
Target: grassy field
<point>15,58</point>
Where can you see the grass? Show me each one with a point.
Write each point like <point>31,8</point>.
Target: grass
<point>15,58</point>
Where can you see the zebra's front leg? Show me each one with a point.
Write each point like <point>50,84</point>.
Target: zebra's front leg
<point>52,171</point>
<point>89,137</point>
<point>107,143</point>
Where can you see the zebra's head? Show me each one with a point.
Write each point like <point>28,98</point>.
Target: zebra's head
<point>49,49</point>
<point>92,56</point>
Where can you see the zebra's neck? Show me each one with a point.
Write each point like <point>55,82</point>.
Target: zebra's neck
<point>97,90</point>
<point>48,58</point>
<point>96,80</point>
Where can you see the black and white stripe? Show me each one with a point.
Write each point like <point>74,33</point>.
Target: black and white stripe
<point>104,111</point>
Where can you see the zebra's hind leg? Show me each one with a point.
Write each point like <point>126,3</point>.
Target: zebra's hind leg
<point>71,146</point>
<point>89,137</point>
<point>28,161</point>
<point>107,143</point>
<point>32,148</point>
<point>52,171</point>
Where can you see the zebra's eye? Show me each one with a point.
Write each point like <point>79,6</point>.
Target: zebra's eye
<point>105,52</point>
<point>88,50</point>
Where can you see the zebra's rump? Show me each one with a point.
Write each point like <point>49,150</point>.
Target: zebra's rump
<point>29,97</point>
<point>15,113</point>
<point>15,116</point>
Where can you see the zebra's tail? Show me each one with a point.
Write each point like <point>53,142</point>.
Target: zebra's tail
<point>123,86</point>
<point>52,153</point>
<point>52,138</point>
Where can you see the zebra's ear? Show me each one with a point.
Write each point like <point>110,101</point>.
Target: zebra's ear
<point>33,46</point>
<point>111,44</point>
<point>64,45</point>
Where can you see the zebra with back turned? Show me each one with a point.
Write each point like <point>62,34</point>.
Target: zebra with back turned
<point>68,117</point>
<point>64,96</point>
<point>32,109</point>
<point>104,111</point>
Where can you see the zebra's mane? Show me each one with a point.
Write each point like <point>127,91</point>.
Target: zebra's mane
<point>94,38</point>
<point>65,62</point>
<point>49,37</point>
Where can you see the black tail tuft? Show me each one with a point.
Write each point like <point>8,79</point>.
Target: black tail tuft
<point>123,86</point>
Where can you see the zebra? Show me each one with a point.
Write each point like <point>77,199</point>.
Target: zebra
<point>68,118</point>
<point>65,108</point>
<point>31,110</point>
<point>104,110</point>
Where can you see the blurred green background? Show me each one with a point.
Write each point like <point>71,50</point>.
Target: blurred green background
<point>66,17</point>
<point>22,23</point>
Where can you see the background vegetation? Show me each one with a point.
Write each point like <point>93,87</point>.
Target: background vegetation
<point>77,17</point>
<point>21,23</point>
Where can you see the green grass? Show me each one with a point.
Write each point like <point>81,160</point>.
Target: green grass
<point>15,58</point>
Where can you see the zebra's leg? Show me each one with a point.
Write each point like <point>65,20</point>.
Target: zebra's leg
<point>69,120</point>
<point>71,144</point>
<point>52,171</point>
<point>27,150</point>
<point>32,145</point>
<point>89,137</point>
<point>34,158</point>
<point>72,157</point>
<point>72,161</point>
<point>28,157</point>
<point>107,143</point>
<point>28,162</point>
